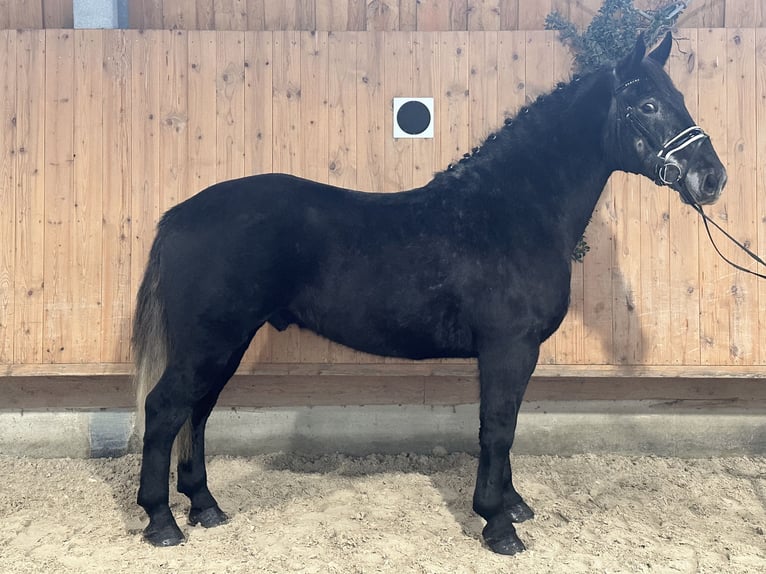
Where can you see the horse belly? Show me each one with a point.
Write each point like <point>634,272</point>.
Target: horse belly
<point>389,326</point>
<point>406,341</point>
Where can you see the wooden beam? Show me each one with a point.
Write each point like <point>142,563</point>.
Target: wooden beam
<point>448,368</point>
<point>247,391</point>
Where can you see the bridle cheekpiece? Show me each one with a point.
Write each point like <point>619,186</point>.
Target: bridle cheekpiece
<point>667,170</point>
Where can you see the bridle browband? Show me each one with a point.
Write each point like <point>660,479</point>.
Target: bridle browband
<point>667,170</point>
<point>666,165</point>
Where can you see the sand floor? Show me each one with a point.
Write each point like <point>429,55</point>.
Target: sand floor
<point>382,513</point>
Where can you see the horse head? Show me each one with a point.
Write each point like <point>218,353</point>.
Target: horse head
<point>655,134</point>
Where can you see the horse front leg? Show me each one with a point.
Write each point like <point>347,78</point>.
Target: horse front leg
<point>504,371</point>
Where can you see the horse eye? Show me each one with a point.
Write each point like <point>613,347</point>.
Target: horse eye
<point>648,107</point>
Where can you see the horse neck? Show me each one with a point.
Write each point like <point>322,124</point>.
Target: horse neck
<point>553,156</point>
<point>570,185</point>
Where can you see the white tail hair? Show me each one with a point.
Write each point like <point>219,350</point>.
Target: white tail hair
<point>150,350</point>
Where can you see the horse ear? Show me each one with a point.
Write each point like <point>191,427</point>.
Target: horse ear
<point>631,63</point>
<point>660,53</point>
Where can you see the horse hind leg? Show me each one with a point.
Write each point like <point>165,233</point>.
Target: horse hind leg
<point>187,391</point>
<point>166,412</point>
<point>192,473</point>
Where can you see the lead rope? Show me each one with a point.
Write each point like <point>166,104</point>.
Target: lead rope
<point>686,137</point>
<point>706,220</point>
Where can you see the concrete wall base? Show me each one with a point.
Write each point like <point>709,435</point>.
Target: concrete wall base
<point>555,428</point>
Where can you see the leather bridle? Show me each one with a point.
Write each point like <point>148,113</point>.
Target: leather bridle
<point>668,171</point>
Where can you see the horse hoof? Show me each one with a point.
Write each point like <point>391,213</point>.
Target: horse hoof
<point>208,518</point>
<point>500,536</point>
<point>169,535</point>
<point>520,512</point>
<point>508,545</point>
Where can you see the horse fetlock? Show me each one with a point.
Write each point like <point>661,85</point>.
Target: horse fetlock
<point>500,536</point>
<point>487,505</point>
<point>190,486</point>
<point>154,501</point>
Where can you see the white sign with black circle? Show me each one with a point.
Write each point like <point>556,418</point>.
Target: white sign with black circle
<point>413,117</point>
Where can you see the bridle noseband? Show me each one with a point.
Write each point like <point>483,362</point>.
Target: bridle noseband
<point>672,146</point>
<point>667,170</point>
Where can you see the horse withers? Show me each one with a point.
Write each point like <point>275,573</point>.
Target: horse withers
<point>474,264</point>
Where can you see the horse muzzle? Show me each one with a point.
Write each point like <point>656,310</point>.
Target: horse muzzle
<point>699,179</point>
<point>702,186</point>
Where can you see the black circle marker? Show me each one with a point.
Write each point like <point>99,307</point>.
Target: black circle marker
<point>413,117</point>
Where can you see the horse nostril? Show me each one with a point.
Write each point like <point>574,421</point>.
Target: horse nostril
<point>711,184</point>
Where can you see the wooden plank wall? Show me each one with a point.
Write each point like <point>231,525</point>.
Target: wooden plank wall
<point>410,15</point>
<point>369,15</point>
<point>104,130</point>
<point>36,14</point>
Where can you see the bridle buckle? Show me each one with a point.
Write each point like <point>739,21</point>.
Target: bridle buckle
<point>666,170</point>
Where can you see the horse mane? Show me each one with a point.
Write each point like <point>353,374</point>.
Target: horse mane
<point>525,130</point>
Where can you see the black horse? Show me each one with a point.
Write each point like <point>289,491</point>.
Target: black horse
<point>474,264</point>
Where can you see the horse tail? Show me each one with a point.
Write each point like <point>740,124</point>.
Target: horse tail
<point>150,348</point>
